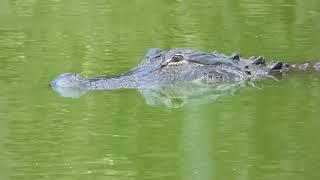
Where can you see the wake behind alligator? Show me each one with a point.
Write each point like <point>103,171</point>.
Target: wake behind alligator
<point>180,66</point>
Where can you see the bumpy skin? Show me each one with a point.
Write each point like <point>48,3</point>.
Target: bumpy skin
<point>178,65</point>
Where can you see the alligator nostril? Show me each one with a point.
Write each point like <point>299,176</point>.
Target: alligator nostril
<point>53,83</point>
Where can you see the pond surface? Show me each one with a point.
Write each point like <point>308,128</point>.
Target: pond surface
<point>268,132</point>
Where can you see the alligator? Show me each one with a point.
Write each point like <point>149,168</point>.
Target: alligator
<point>179,66</point>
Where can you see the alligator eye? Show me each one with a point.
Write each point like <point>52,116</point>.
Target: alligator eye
<point>174,58</point>
<point>177,58</point>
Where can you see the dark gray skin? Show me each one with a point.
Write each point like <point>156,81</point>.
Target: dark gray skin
<point>180,65</point>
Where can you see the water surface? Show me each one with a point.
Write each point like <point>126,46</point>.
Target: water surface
<point>269,132</point>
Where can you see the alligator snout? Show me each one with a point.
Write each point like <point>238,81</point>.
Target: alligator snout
<point>67,80</point>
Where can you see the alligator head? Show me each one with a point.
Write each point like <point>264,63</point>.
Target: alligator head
<point>186,65</point>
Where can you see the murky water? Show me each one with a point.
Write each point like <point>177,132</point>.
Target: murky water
<point>269,132</point>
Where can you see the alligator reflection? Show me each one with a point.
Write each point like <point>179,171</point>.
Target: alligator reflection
<point>173,96</point>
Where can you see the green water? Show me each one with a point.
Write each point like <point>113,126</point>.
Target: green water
<point>270,132</point>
